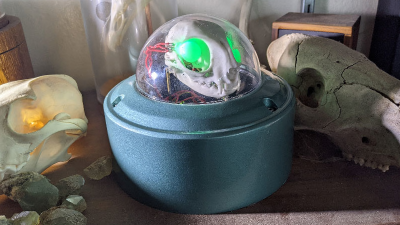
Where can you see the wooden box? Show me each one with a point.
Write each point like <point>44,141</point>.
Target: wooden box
<point>344,27</point>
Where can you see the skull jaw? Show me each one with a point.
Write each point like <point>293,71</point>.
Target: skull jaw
<point>208,87</point>
<point>49,151</point>
<point>322,146</point>
<point>370,137</point>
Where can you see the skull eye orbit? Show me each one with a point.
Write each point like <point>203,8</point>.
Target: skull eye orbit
<point>194,54</point>
<point>312,88</point>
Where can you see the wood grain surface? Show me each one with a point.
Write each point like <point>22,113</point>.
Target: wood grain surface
<point>344,24</point>
<point>15,62</point>
<point>315,193</point>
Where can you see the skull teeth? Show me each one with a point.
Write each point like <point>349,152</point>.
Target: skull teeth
<point>209,85</point>
<point>384,168</point>
<point>374,165</point>
<point>366,163</point>
<point>348,157</point>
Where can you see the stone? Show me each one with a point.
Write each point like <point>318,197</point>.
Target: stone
<point>11,184</point>
<point>31,190</point>
<point>100,168</point>
<point>4,220</point>
<point>37,195</point>
<point>26,217</point>
<point>75,202</point>
<point>71,185</point>
<point>62,216</point>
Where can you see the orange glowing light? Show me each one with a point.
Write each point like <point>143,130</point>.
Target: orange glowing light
<point>36,125</point>
<point>33,119</point>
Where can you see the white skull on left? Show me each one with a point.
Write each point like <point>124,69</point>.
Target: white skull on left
<point>40,118</point>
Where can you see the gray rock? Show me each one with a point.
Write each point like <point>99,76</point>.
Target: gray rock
<point>37,195</point>
<point>100,168</point>
<point>75,202</point>
<point>25,217</point>
<point>62,216</point>
<point>9,185</point>
<point>4,221</point>
<point>31,190</point>
<point>71,185</point>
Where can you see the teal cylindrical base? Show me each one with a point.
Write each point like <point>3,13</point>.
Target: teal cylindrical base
<point>201,159</point>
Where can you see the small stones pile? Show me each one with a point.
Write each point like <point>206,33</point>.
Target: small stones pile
<point>36,195</point>
<point>25,217</point>
<point>47,204</point>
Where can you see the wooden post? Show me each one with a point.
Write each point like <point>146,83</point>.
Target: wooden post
<point>15,62</point>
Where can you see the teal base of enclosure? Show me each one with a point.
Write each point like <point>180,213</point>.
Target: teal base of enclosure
<point>201,159</point>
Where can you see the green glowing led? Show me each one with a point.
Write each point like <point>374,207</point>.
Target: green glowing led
<point>194,54</point>
<point>229,42</point>
<point>189,50</point>
<point>236,55</point>
<point>235,51</point>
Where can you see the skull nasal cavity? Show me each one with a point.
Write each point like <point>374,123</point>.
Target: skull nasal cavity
<point>312,87</point>
<point>365,140</point>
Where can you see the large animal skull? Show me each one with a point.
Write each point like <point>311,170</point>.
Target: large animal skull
<point>39,118</point>
<point>343,95</point>
<point>221,77</point>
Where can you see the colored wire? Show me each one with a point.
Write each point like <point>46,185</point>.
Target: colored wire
<point>194,97</point>
<point>160,47</point>
<point>164,48</point>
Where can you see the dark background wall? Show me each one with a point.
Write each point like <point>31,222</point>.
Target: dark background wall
<point>385,46</point>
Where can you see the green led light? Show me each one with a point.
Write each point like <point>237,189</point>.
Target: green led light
<point>194,53</point>
<point>229,42</point>
<point>235,51</point>
<point>189,50</point>
<point>236,55</point>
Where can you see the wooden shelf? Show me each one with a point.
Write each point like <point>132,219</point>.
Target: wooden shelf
<point>348,25</point>
<point>319,193</point>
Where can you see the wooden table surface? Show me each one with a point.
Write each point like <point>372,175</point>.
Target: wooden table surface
<point>315,193</point>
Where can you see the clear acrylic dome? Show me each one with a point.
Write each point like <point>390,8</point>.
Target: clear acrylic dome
<point>197,59</point>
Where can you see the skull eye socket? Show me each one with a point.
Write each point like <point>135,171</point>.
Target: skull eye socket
<point>312,87</point>
<point>194,54</point>
<point>27,115</point>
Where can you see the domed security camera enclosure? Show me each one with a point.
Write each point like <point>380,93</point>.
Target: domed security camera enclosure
<point>197,59</point>
<point>199,128</point>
